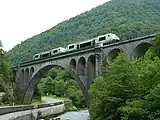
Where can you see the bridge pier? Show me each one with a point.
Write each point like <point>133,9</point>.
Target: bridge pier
<point>27,98</point>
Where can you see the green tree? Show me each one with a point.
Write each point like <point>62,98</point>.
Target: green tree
<point>6,82</point>
<point>153,100</point>
<point>154,50</point>
<point>135,110</point>
<point>59,82</point>
<point>60,88</point>
<point>128,90</point>
<point>75,94</point>
<point>145,108</point>
<point>47,86</point>
<point>113,89</point>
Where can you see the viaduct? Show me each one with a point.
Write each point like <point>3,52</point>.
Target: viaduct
<point>83,65</point>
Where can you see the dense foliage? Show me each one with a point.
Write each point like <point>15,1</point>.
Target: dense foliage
<point>128,90</point>
<point>58,82</point>
<point>6,81</point>
<point>126,18</point>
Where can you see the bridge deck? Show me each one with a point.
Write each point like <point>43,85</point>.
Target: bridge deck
<point>80,51</point>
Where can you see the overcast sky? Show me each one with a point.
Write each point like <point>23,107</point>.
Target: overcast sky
<point>22,19</point>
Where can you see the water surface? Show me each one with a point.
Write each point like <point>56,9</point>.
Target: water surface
<point>80,115</point>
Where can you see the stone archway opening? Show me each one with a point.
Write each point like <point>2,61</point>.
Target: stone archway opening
<point>81,72</point>
<point>91,70</point>
<point>26,76</point>
<point>31,71</point>
<point>35,77</point>
<point>22,73</point>
<point>22,77</point>
<point>81,66</point>
<point>113,54</point>
<point>72,64</point>
<point>41,75</point>
<point>140,50</point>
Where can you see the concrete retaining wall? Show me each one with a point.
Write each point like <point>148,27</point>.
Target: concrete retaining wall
<point>31,112</point>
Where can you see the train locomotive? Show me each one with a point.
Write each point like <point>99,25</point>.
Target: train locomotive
<point>97,41</point>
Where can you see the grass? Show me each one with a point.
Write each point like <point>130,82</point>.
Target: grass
<point>54,96</point>
<point>35,102</point>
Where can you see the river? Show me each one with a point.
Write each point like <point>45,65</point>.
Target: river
<point>79,115</point>
<point>76,115</point>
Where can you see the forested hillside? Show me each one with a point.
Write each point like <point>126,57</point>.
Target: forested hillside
<point>126,18</point>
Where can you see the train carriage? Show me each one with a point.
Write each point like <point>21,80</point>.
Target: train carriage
<point>97,41</point>
<point>107,38</point>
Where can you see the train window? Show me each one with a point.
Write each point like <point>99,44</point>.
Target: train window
<point>72,46</point>
<point>85,44</point>
<point>36,56</point>
<point>108,35</point>
<point>102,38</point>
<point>55,51</point>
<point>45,55</point>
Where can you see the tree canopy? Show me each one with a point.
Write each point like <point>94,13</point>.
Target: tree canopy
<point>128,90</point>
<point>59,82</point>
<point>6,81</point>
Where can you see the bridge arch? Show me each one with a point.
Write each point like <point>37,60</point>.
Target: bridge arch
<point>81,66</point>
<point>26,75</point>
<point>37,75</point>
<point>140,50</point>
<point>81,72</point>
<point>31,72</point>
<point>91,69</point>
<point>72,64</point>
<point>22,75</point>
<point>113,54</point>
<point>34,80</point>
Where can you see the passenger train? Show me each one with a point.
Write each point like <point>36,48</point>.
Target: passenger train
<point>97,41</point>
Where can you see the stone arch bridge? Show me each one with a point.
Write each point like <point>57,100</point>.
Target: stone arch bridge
<point>83,65</point>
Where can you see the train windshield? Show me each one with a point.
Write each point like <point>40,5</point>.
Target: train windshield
<point>55,51</point>
<point>72,46</point>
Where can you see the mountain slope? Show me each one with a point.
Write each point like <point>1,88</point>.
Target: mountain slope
<point>126,18</point>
